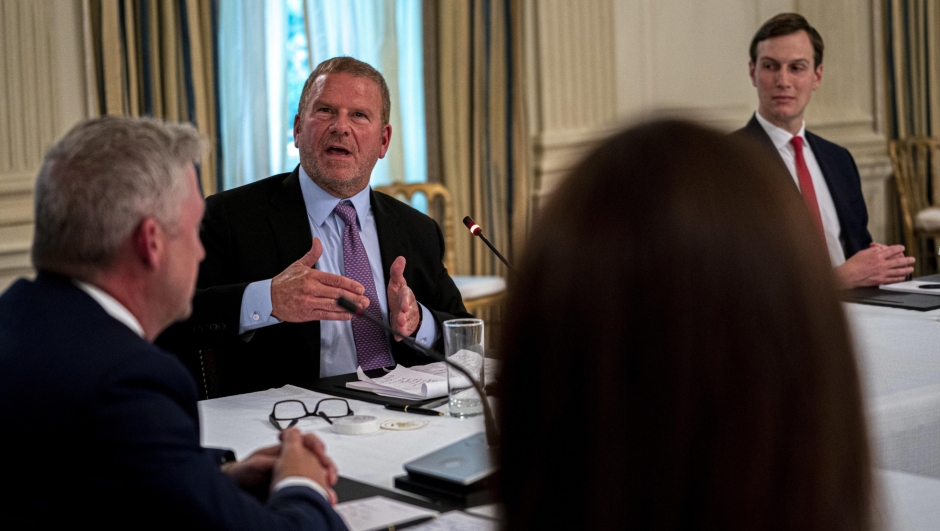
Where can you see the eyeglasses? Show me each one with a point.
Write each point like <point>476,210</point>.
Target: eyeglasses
<point>294,410</point>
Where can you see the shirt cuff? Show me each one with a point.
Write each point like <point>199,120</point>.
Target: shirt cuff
<point>300,481</point>
<point>256,307</point>
<point>428,333</point>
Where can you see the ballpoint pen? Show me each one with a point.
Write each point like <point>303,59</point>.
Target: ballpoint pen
<point>417,410</point>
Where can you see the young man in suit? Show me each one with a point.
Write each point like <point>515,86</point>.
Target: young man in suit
<point>786,68</point>
<point>109,420</point>
<point>281,250</point>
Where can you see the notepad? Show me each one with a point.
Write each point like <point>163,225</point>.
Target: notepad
<point>424,381</point>
<point>379,512</point>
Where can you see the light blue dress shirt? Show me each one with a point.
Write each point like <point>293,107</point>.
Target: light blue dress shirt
<point>337,347</point>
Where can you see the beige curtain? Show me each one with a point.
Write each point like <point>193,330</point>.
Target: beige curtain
<point>481,126</point>
<point>912,31</point>
<point>154,58</point>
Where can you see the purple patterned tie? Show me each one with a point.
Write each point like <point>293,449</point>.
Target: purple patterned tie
<point>371,343</point>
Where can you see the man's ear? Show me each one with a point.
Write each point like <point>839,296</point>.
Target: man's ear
<point>817,76</point>
<point>386,140</point>
<point>149,243</point>
<point>750,71</point>
<point>297,127</point>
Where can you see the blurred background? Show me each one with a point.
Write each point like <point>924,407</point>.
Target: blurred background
<point>494,99</point>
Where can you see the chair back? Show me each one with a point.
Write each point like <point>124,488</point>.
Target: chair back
<point>916,164</point>
<point>405,192</point>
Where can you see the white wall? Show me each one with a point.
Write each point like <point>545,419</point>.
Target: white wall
<point>595,65</point>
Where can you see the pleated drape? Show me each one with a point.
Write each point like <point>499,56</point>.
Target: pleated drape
<point>481,125</point>
<point>912,45</point>
<point>155,58</point>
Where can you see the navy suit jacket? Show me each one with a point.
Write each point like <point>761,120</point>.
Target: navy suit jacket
<point>100,428</point>
<point>253,233</point>
<point>842,178</point>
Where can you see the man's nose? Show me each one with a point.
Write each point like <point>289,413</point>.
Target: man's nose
<point>340,124</point>
<point>783,78</point>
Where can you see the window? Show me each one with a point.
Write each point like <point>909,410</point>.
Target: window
<point>260,89</point>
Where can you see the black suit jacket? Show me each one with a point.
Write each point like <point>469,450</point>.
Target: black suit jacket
<point>253,233</point>
<point>100,428</point>
<point>842,178</point>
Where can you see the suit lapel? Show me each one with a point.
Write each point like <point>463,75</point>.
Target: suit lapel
<point>289,221</point>
<point>826,167</point>
<point>391,243</point>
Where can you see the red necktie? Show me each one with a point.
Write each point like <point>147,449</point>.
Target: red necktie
<point>806,183</point>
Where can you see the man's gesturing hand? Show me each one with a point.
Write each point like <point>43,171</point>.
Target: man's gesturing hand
<point>403,310</point>
<point>301,293</point>
<point>879,264</point>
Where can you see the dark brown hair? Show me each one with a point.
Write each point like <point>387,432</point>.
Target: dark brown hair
<point>675,355</point>
<point>353,67</point>
<point>787,24</point>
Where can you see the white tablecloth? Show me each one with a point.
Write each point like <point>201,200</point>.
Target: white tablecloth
<point>899,357</point>
<point>241,423</point>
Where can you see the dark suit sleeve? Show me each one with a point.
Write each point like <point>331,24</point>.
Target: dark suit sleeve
<point>444,302</point>
<point>218,298</point>
<point>449,303</point>
<point>148,422</point>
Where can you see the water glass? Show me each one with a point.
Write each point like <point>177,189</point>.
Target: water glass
<point>463,345</point>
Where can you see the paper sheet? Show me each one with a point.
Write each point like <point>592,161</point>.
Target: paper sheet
<point>912,286</point>
<point>458,521</point>
<point>378,512</point>
<point>425,381</point>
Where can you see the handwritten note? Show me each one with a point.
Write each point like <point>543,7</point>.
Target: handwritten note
<point>378,512</point>
<point>458,521</point>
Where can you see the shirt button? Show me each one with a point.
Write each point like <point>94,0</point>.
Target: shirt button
<point>255,317</point>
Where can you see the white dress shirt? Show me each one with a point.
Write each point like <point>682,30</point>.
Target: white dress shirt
<point>337,346</point>
<point>827,209</point>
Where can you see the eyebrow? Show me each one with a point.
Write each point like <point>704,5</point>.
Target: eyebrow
<point>800,60</point>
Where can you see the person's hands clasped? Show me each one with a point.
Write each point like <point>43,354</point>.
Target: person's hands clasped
<point>403,310</point>
<point>253,474</point>
<point>877,265</point>
<point>301,293</point>
<point>304,455</point>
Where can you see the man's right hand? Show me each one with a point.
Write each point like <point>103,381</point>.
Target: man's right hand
<point>877,265</point>
<point>298,459</point>
<point>301,293</point>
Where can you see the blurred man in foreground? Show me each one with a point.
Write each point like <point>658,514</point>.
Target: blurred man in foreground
<point>109,421</point>
<point>786,67</point>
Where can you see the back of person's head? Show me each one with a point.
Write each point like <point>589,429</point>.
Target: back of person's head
<point>353,67</point>
<point>675,355</point>
<point>788,24</point>
<point>99,181</point>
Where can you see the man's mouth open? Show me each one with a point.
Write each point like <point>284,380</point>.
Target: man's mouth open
<point>337,151</point>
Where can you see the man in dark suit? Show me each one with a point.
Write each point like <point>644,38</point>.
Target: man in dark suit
<point>786,68</point>
<point>109,421</point>
<point>281,250</point>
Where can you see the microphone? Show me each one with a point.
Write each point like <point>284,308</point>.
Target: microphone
<point>492,433</point>
<point>477,231</point>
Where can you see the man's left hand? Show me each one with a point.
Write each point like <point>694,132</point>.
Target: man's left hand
<point>253,474</point>
<point>403,310</point>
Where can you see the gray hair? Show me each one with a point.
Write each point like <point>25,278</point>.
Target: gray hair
<point>100,181</point>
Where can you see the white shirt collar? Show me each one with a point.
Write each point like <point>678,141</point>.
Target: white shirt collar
<point>779,136</point>
<point>111,306</point>
<point>320,203</point>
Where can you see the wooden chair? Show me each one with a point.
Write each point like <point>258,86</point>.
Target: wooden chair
<point>480,293</point>
<point>916,163</point>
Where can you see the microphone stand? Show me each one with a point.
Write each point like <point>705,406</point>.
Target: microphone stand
<point>476,230</point>
<point>489,421</point>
